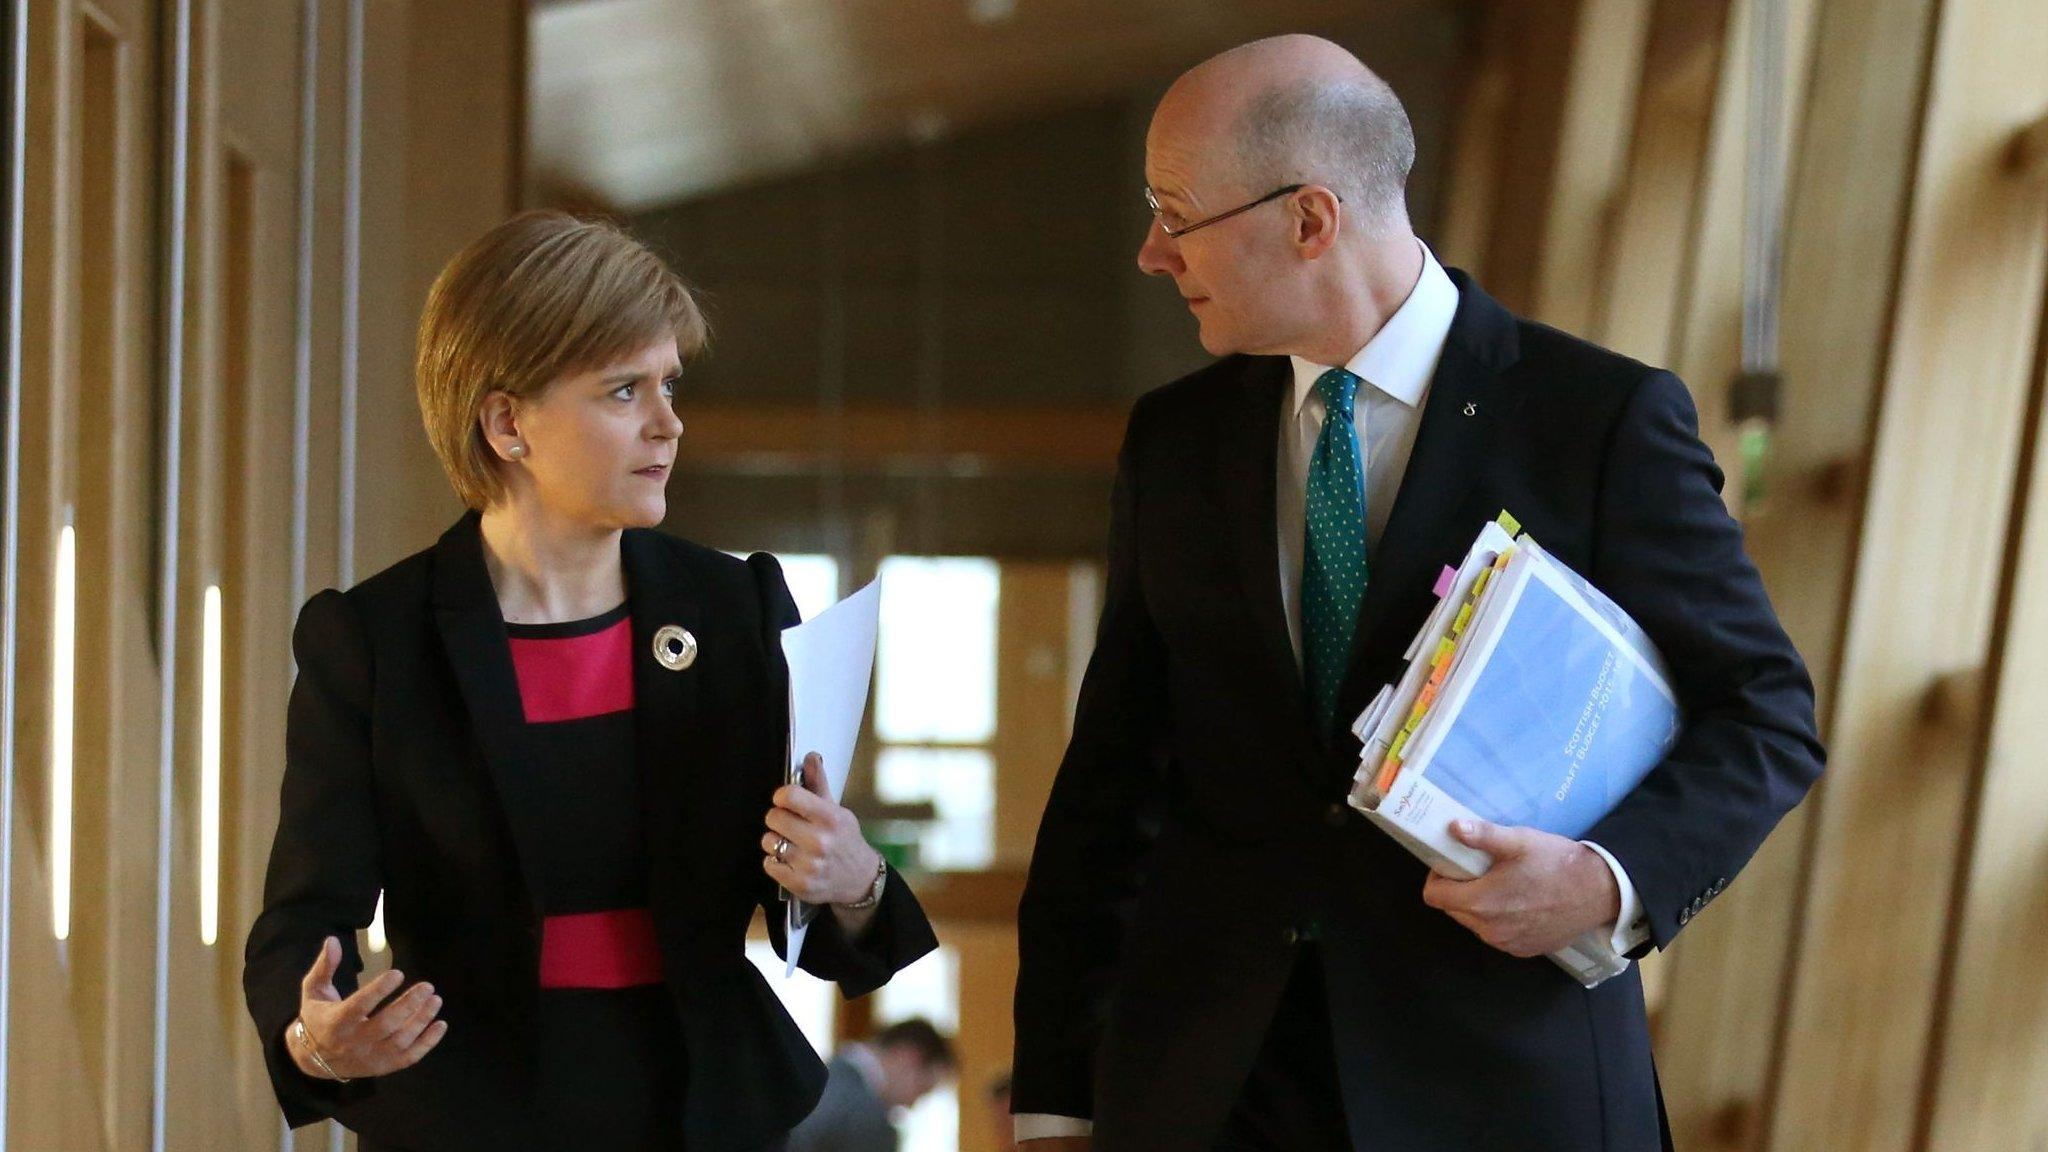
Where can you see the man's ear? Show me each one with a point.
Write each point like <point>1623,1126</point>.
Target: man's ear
<point>1317,216</point>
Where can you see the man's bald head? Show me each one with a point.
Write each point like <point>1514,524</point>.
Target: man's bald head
<point>1299,110</point>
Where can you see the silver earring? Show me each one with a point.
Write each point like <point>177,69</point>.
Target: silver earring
<point>517,450</point>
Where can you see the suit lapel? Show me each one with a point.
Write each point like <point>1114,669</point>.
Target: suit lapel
<point>1248,433</point>
<point>473,633</point>
<point>1464,411</point>
<point>665,701</point>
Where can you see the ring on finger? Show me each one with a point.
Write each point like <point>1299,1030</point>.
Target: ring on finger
<point>781,848</point>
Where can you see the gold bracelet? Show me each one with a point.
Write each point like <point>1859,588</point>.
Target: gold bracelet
<point>874,895</point>
<point>313,1051</point>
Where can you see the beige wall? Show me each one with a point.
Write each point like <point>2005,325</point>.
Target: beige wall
<point>435,165</point>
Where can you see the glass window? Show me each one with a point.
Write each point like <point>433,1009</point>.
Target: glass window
<point>961,785</point>
<point>935,675</point>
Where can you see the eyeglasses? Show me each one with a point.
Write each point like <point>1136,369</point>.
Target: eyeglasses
<point>1169,222</point>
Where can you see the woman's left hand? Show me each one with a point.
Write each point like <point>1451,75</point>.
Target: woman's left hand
<point>823,858</point>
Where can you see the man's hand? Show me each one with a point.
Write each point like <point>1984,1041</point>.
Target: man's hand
<point>1540,894</point>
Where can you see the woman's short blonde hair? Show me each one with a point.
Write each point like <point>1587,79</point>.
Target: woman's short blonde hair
<point>539,297</point>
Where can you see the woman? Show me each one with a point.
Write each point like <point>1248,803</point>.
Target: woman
<point>555,742</point>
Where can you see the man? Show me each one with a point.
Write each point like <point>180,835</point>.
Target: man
<point>1216,953</point>
<point>864,1082</point>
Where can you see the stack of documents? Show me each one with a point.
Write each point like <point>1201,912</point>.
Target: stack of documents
<point>1530,699</point>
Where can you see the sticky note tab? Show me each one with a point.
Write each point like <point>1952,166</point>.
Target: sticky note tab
<point>1444,580</point>
<point>1509,524</point>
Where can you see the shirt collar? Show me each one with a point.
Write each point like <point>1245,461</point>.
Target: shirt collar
<point>1402,356</point>
<point>866,1062</point>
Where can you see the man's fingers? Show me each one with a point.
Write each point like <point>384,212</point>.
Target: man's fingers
<point>1448,894</point>
<point>319,981</point>
<point>814,776</point>
<point>1496,840</point>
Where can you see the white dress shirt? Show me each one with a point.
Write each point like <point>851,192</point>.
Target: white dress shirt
<point>1395,368</point>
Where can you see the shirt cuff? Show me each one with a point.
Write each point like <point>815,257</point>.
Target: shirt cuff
<point>1630,928</point>
<point>1040,1126</point>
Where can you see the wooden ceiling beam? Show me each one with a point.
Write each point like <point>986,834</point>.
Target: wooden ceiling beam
<point>727,435</point>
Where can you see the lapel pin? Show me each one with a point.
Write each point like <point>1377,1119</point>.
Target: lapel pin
<point>674,648</point>
<point>1471,408</point>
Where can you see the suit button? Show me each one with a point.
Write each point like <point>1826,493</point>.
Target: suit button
<point>1334,815</point>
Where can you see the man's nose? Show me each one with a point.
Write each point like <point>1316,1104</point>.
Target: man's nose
<point>1159,255</point>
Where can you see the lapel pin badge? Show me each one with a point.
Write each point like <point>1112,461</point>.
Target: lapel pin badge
<point>674,648</point>
<point>1471,408</point>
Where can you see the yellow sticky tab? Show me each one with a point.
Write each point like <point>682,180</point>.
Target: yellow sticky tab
<point>1400,742</point>
<point>1444,648</point>
<point>1464,618</point>
<point>1509,524</point>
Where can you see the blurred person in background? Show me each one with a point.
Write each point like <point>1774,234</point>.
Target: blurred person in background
<point>867,1083</point>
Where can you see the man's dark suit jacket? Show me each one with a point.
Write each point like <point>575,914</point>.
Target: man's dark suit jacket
<point>1197,830</point>
<point>405,717</point>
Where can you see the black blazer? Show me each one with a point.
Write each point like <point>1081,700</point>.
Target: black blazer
<point>404,718</point>
<point>1151,963</point>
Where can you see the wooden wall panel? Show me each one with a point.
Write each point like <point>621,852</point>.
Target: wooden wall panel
<point>1933,542</point>
<point>1650,236</point>
<point>1724,996</point>
<point>1989,1067</point>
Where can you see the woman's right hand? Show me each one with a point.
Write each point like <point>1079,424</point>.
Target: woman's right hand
<point>344,1032</point>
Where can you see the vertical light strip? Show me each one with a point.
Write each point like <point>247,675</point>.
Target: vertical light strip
<point>10,509</point>
<point>209,767</point>
<point>167,593</point>
<point>302,334</point>
<point>63,689</point>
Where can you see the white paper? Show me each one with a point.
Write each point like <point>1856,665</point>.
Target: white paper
<point>831,658</point>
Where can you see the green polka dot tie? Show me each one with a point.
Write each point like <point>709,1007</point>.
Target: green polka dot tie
<point>1333,565</point>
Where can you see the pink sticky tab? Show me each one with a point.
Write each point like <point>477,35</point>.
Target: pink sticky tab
<point>1444,581</point>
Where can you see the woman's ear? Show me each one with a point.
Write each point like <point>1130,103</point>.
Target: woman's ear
<point>498,419</point>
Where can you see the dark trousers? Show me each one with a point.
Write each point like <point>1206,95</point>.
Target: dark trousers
<point>1292,1101</point>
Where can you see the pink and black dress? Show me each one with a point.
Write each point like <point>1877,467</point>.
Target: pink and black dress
<point>611,1057</point>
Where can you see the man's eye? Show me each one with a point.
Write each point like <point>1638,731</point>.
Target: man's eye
<point>668,386</point>
<point>623,391</point>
